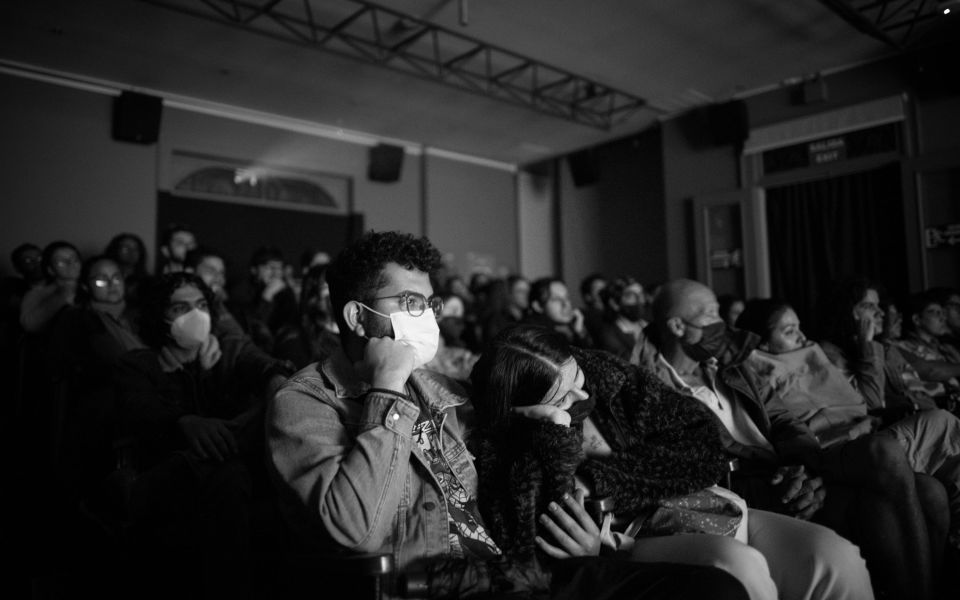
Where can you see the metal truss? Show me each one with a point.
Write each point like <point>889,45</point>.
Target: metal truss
<point>898,23</point>
<point>391,39</point>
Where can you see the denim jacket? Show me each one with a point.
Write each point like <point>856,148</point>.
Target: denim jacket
<point>351,476</point>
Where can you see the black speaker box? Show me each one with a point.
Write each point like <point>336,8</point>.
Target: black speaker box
<point>386,162</point>
<point>584,167</point>
<point>728,123</point>
<point>136,118</point>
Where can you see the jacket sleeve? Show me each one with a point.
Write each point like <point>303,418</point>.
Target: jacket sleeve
<point>865,372</point>
<point>349,476</point>
<point>461,578</point>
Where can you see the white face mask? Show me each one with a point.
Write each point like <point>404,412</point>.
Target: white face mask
<point>420,333</point>
<point>191,329</point>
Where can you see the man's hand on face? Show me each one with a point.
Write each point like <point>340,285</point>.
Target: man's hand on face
<point>387,362</point>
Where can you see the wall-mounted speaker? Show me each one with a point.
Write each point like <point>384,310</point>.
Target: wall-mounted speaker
<point>728,123</point>
<point>584,167</point>
<point>136,118</point>
<point>386,163</point>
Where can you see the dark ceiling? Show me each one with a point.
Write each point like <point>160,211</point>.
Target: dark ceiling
<point>671,55</point>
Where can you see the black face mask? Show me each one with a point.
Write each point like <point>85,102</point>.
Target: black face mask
<point>711,344</point>
<point>581,410</point>
<point>631,312</point>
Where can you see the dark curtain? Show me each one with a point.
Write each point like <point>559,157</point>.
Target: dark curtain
<point>822,231</point>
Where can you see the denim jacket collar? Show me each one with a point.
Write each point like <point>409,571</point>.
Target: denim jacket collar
<point>339,371</point>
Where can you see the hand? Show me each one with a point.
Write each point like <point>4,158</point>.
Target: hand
<point>801,494</point>
<point>387,363</point>
<point>209,438</point>
<point>577,321</point>
<point>273,287</point>
<point>544,412</point>
<point>572,529</point>
<point>866,329</point>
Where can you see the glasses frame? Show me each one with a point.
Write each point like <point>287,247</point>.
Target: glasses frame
<point>434,302</point>
<point>102,282</point>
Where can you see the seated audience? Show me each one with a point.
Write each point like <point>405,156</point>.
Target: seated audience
<point>949,299</point>
<point>550,307</point>
<point>507,303</point>
<point>86,343</point>
<point>924,323</point>
<point>864,489</point>
<point>903,381</point>
<point>547,413</point>
<point>591,289</point>
<point>453,358</point>
<point>177,240</point>
<point>317,335</point>
<point>368,453</point>
<point>191,407</point>
<point>61,271</point>
<point>208,264</point>
<point>621,330</point>
<point>730,308</point>
<point>819,394</point>
<point>129,251</point>
<point>267,303</point>
<point>26,259</point>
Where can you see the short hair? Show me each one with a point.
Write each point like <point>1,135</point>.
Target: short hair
<point>21,249</point>
<point>916,304</point>
<point>517,368</point>
<point>760,316</point>
<point>357,271</point>
<point>615,289</point>
<point>154,328</point>
<point>48,250</point>
<point>113,250</point>
<point>171,229</point>
<point>587,283</point>
<point>198,254</point>
<point>540,289</point>
<point>265,254</point>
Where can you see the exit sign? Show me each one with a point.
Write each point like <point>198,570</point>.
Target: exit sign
<point>827,151</point>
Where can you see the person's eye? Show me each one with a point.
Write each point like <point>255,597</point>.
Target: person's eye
<point>203,305</point>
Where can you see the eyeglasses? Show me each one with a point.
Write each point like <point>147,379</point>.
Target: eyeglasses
<point>415,304</point>
<point>102,282</point>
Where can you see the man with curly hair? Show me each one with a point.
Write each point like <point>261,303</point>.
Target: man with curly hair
<point>369,456</point>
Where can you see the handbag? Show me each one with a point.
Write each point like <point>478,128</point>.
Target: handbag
<point>713,510</point>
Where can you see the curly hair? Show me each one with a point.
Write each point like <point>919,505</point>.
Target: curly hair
<point>154,326</point>
<point>357,272</point>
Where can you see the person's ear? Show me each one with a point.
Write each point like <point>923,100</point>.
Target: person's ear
<point>165,251</point>
<point>351,315</point>
<point>536,306</point>
<point>676,326</point>
<point>915,319</point>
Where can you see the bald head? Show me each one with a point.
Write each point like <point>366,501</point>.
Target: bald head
<point>683,298</point>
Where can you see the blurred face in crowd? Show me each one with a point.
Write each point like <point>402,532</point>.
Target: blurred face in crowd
<point>893,322</point>
<point>932,320</point>
<point>569,387</point>
<point>271,270</point>
<point>181,242</point>
<point>733,313</point>
<point>869,308</point>
<point>520,294</point>
<point>594,300</point>
<point>558,307</point>
<point>128,251</point>
<point>29,264</point>
<point>65,264</point>
<point>213,273</point>
<point>785,336</point>
<point>952,310</point>
<point>105,282</point>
